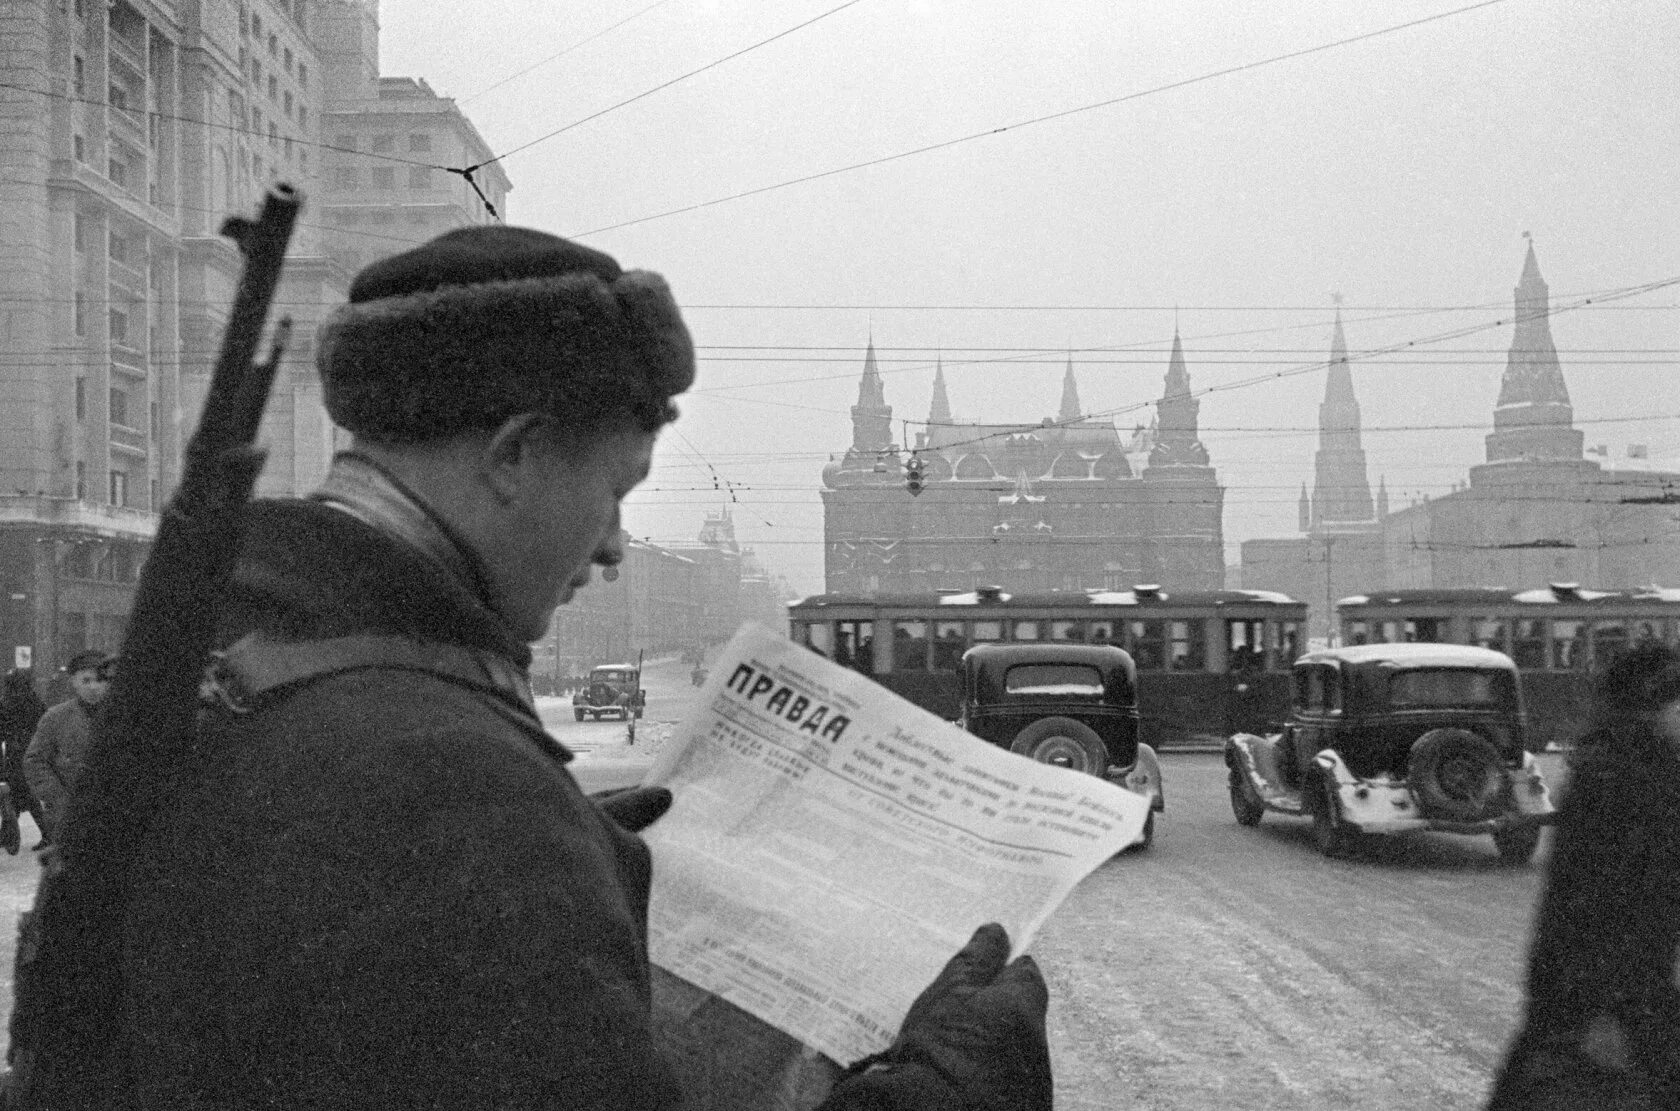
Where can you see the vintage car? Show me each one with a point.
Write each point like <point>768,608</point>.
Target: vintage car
<point>1074,705</point>
<point>1384,738</point>
<point>612,689</point>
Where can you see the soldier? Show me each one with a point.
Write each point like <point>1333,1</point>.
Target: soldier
<point>381,887</point>
<point>1603,1009</point>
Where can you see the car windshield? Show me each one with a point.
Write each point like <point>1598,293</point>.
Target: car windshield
<point>1053,679</point>
<point>613,676</point>
<point>1448,687</point>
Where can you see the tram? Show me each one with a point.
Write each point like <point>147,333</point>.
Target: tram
<point>1209,663</point>
<point>1558,635</point>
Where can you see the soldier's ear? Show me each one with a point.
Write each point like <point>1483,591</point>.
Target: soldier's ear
<point>506,451</point>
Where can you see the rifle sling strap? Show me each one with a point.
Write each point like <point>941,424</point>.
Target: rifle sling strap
<point>258,667</point>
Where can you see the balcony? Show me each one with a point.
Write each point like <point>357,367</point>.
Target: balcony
<point>128,441</point>
<point>127,277</point>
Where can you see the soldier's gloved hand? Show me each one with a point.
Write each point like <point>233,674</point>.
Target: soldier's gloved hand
<point>634,808</point>
<point>973,1039</point>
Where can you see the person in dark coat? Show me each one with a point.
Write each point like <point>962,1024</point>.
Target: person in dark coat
<point>1602,1023</point>
<point>381,887</point>
<point>53,761</point>
<point>20,712</point>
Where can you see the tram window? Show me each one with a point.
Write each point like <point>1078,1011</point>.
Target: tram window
<point>1149,644</point>
<point>819,637</point>
<point>1488,632</point>
<point>1102,632</point>
<point>910,646</point>
<point>987,630</point>
<point>1245,646</point>
<point>1286,644</point>
<point>949,643</point>
<point>854,645</point>
<point>1528,643</point>
<point>1651,631</point>
<point>1608,638</point>
<point>1026,630</point>
<point>1189,646</point>
<point>1427,630</point>
<point>1390,632</point>
<point>1067,630</point>
<point>1569,645</point>
<point>1357,632</point>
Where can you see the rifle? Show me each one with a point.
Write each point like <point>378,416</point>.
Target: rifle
<point>68,1050</point>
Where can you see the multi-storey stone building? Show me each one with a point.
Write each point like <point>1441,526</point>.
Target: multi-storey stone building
<point>1064,504</point>
<point>129,130</point>
<point>1537,511</point>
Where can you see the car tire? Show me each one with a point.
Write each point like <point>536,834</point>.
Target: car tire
<point>1455,774</point>
<point>1247,811</point>
<point>1062,741</point>
<point>578,714</point>
<point>1516,846</point>
<point>1332,835</point>
<point>1148,839</point>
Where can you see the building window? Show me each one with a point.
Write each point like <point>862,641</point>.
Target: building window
<point>288,145</point>
<point>419,177</point>
<point>346,178</point>
<point>286,103</point>
<point>303,114</point>
<point>256,25</point>
<point>383,143</point>
<point>154,420</point>
<point>303,159</point>
<point>117,172</point>
<point>286,58</point>
<point>80,148</point>
<point>81,481</point>
<point>80,226</point>
<point>119,488</point>
<point>273,45</point>
<point>420,141</point>
<point>81,76</point>
<point>117,97</point>
<point>81,322</point>
<point>81,397</point>
<point>273,135</point>
<point>119,326</point>
<point>256,72</point>
<point>119,248</point>
<point>303,74</point>
<point>273,87</point>
<point>119,407</point>
<point>384,177</point>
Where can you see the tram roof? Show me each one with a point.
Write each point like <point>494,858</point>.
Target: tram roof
<point>1052,599</point>
<point>1552,595</point>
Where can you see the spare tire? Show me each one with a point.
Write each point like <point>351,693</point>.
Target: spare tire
<point>1455,774</point>
<point>602,694</point>
<point>1064,742</point>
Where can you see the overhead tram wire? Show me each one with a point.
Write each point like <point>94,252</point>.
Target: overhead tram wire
<point>556,57</point>
<point>673,81</point>
<point>1018,125</point>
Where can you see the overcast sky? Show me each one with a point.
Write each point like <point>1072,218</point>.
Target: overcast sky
<point>1399,171</point>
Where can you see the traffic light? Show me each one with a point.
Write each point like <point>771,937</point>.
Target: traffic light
<point>913,475</point>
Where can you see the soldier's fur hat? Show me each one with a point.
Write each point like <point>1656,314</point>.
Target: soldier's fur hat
<point>484,323</point>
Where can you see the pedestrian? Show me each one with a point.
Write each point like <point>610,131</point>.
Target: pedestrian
<point>381,887</point>
<point>1603,1010</point>
<point>20,712</point>
<point>53,761</point>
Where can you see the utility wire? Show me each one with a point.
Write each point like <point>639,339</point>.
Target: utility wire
<point>1228,71</point>
<point>677,80</point>
<point>556,57</point>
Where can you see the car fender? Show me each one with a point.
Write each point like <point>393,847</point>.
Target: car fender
<point>1144,778</point>
<point>1528,791</point>
<point>1254,759</point>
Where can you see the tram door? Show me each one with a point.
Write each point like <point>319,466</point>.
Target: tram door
<point>1250,697</point>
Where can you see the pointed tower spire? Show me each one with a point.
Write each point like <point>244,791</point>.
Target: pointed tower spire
<point>1071,410</point>
<point>871,416</point>
<point>1341,487</point>
<point>1533,418</point>
<point>1176,441</point>
<point>940,411</point>
<point>1303,510</point>
<point>1382,498</point>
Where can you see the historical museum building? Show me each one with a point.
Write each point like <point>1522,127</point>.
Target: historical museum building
<point>131,129</point>
<point>1537,511</point>
<point>1063,504</point>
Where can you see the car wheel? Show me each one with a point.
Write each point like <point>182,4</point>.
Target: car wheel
<point>1516,846</point>
<point>1330,833</point>
<point>578,714</point>
<point>1064,742</point>
<point>1148,833</point>
<point>1247,811</point>
<point>1455,774</point>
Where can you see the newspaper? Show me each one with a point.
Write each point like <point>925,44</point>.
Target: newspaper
<point>832,845</point>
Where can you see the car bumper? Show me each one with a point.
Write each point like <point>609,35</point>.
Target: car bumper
<point>1142,778</point>
<point>1377,806</point>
